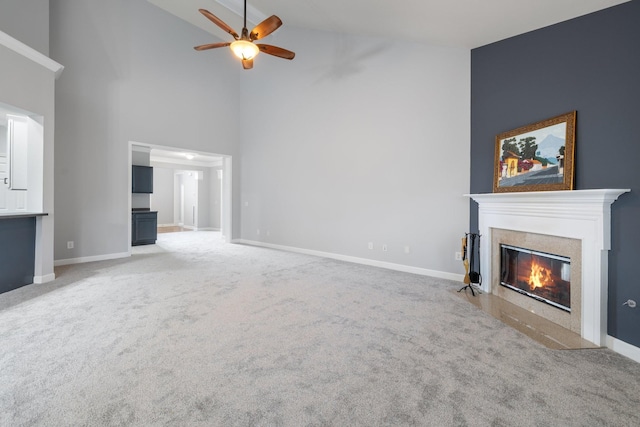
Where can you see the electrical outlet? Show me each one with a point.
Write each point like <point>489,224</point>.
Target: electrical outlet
<point>370,245</point>
<point>384,248</point>
<point>258,232</point>
<point>70,244</point>
<point>458,256</point>
<point>407,249</point>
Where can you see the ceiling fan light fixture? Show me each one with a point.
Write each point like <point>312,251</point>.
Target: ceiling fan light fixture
<point>243,46</point>
<point>244,49</point>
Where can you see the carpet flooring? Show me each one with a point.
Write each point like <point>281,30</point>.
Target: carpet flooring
<point>195,332</point>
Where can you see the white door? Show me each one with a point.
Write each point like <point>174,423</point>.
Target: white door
<point>12,197</point>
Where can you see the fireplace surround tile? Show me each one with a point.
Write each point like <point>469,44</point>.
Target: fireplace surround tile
<point>570,248</point>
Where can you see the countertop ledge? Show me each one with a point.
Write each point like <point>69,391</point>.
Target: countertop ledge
<point>10,215</point>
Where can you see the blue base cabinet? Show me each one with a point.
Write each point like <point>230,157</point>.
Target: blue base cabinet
<point>144,227</point>
<point>17,252</point>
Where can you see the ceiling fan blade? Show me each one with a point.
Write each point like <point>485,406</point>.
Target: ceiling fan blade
<point>276,51</point>
<point>247,64</point>
<point>219,22</point>
<point>265,28</point>
<point>211,46</point>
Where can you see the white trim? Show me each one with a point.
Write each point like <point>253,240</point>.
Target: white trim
<point>623,348</point>
<point>357,260</point>
<point>30,53</point>
<point>84,259</point>
<point>38,280</point>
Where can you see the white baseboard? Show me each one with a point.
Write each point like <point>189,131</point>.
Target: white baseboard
<point>81,260</point>
<point>38,280</point>
<point>357,260</point>
<point>207,229</point>
<point>623,348</point>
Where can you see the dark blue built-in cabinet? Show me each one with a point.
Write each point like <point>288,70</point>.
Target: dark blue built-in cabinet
<point>144,227</point>
<point>17,251</point>
<point>142,179</point>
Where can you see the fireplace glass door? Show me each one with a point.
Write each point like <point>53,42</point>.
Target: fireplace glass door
<point>545,277</point>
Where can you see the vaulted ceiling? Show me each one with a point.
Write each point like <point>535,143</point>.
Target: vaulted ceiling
<point>456,23</point>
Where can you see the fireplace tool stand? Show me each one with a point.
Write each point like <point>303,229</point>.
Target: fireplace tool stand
<point>471,247</point>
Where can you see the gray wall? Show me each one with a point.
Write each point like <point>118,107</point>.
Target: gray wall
<point>165,195</point>
<point>27,21</point>
<point>358,140</point>
<point>215,198</point>
<point>133,75</point>
<point>589,64</point>
<point>162,199</point>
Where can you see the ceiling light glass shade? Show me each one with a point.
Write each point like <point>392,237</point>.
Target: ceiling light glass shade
<point>244,49</point>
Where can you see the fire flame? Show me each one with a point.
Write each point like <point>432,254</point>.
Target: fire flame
<point>539,277</point>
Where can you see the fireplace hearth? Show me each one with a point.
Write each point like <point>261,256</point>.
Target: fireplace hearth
<point>542,276</point>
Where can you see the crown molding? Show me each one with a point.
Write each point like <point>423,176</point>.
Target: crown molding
<point>30,53</point>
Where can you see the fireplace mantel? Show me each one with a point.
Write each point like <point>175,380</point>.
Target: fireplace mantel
<point>578,214</point>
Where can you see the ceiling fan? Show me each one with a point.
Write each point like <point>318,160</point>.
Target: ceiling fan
<point>243,46</point>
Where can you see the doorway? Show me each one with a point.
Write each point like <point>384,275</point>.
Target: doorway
<point>192,189</point>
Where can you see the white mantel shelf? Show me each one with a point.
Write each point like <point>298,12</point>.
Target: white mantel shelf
<point>578,214</point>
<point>551,198</point>
<point>594,205</point>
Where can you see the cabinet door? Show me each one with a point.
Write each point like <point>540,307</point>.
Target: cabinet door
<point>144,228</point>
<point>17,252</point>
<point>11,200</point>
<point>17,154</point>
<point>141,179</point>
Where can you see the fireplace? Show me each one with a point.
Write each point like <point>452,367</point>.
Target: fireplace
<point>567,255</point>
<point>542,276</point>
<point>574,224</point>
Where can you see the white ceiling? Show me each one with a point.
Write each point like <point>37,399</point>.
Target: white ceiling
<point>459,23</point>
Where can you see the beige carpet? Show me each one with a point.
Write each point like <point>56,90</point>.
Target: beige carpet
<point>193,332</point>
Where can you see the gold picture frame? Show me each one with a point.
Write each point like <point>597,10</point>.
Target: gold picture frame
<point>536,157</point>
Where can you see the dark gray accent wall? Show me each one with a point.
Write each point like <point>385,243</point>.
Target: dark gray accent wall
<point>590,64</point>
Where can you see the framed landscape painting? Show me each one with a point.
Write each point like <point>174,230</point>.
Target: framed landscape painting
<point>537,157</point>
